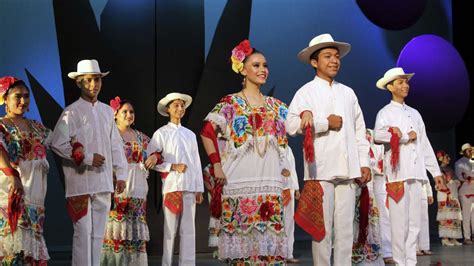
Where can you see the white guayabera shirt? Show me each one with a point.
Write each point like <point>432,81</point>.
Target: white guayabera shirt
<point>94,127</point>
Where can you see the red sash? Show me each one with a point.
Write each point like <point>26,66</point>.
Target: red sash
<point>174,202</point>
<point>395,190</point>
<point>310,215</point>
<point>76,207</point>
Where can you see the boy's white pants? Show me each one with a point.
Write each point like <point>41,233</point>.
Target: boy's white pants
<point>187,232</point>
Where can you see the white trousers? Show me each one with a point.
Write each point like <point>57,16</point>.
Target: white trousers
<point>405,223</point>
<point>380,194</point>
<point>187,232</point>
<point>89,231</point>
<point>467,205</point>
<point>338,206</point>
<point>289,212</point>
<point>424,236</point>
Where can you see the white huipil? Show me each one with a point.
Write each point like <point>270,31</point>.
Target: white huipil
<point>178,144</point>
<point>339,158</point>
<point>93,125</point>
<point>32,166</point>
<point>291,183</point>
<point>464,171</point>
<point>415,158</point>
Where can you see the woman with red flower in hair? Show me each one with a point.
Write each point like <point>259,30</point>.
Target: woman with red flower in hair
<point>23,174</point>
<point>126,232</point>
<point>249,170</point>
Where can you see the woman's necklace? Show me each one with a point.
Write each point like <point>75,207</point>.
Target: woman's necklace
<point>254,129</point>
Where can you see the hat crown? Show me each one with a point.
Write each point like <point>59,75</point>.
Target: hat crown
<point>88,66</point>
<point>466,146</point>
<point>326,37</point>
<point>396,71</point>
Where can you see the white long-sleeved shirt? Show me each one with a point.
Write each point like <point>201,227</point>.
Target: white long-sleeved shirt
<point>178,144</point>
<point>463,169</point>
<point>415,156</point>
<point>339,154</point>
<point>93,125</point>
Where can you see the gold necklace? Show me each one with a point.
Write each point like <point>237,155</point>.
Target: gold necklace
<point>256,145</point>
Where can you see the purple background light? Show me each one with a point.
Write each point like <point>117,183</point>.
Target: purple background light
<point>440,87</point>
<point>392,14</point>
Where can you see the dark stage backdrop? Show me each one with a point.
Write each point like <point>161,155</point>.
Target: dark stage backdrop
<point>153,47</point>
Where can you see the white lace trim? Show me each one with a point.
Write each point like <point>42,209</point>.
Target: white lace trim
<point>243,246</point>
<point>127,230</point>
<point>124,257</point>
<point>249,191</point>
<point>448,215</point>
<point>450,232</point>
<point>24,240</point>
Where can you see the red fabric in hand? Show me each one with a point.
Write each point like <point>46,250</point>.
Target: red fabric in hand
<point>395,147</point>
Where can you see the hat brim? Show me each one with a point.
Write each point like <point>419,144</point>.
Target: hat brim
<point>304,55</point>
<point>381,83</point>
<point>161,107</point>
<point>74,75</point>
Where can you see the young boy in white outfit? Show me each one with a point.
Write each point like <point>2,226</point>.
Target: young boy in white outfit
<point>401,127</point>
<point>182,178</point>
<point>90,145</point>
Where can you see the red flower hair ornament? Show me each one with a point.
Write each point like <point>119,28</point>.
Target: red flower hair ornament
<point>115,103</point>
<point>239,53</point>
<point>5,83</point>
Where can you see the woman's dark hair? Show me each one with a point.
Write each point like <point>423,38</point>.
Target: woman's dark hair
<point>254,51</point>
<point>123,102</point>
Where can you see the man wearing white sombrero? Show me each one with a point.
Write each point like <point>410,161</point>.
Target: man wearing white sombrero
<point>331,110</point>
<point>401,128</point>
<point>464,170</point>
<point>181,177</point>
<point>87,139</point>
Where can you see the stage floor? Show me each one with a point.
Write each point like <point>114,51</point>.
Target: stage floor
<point>447,256</point>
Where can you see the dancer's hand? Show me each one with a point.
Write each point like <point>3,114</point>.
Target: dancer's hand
<point>297,195</point>
<point>120,186</point>
<point>151,161</point>
<point>16,187</point>
<point>199,197</point>
<point>285,172</point>
<point>334,122</point>
<point>365,175</point>
<point>98,160</point>
<point>179,167</point>
<point>306,119</point>
<point>411,136</point>
<point>219,174</point>
<point>430,200</point>
<point>396,131</point>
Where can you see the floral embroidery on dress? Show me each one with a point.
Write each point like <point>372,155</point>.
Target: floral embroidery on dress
<point>25,145</point>
<point>261,212</point>
<point>243,120</point>
<point>31,218</point>
<point>135,151</point>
